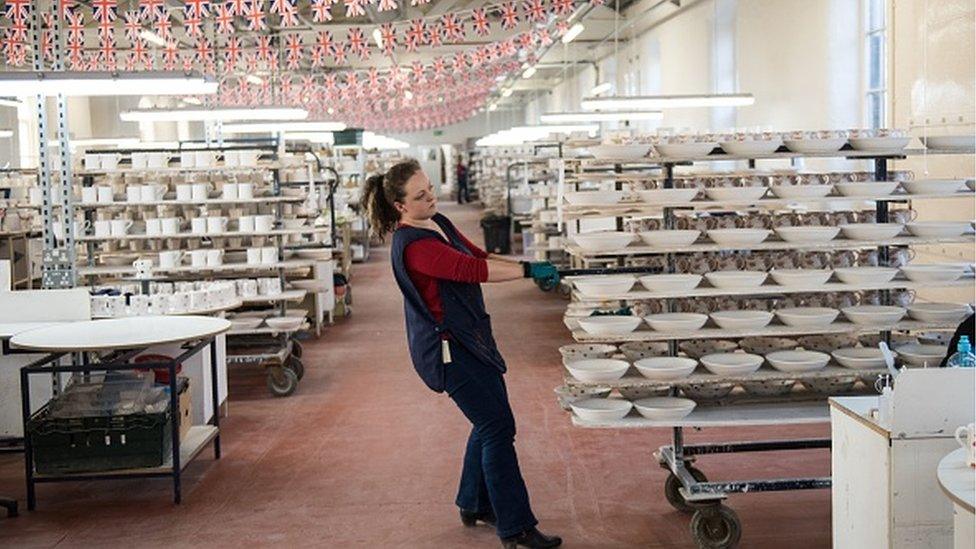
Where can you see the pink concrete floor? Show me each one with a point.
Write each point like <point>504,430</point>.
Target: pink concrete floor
<point>363,455</point>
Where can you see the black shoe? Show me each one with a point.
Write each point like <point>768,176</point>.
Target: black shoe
<point>532,538</point>
<point>471,518</point>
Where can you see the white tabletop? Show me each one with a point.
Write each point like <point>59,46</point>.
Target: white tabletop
<point>119,333</point>
<point>10,329</point>
<point>957,479</point>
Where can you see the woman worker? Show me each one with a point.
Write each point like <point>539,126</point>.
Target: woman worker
<point>451,344</point>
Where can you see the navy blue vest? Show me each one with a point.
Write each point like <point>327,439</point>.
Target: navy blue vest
<point>465,318</point>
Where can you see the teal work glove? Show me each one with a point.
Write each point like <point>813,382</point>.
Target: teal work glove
<point>543,273</point>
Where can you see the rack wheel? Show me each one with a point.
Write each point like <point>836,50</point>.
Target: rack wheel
<point>296,349</point>
<point>672,486</point>
<point>295,365</point>
<point>716,527</point>
<point>282,381</point>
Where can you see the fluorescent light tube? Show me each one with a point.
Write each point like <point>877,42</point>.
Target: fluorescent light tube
<point>76,83</point>
<point>254,79</point>
<point>529,72</point>
<point>544,130</point>
<point>6,133</point>
<point>572,33</point>
<point>284,126</point>
<point>192,101</point>
<point>152,38</point>
<point>615,116</point>
<point>210,113</point>
<point>492,107</point>
<point>601,88</point>
<point>378,38</point>
<point>658,102</point>
<point>507,92</point>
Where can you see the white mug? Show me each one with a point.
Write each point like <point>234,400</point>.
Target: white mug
<point>215,258</point>
<point>247,158</point>
<point>269,255</point>
<point>199,300</point>
<point>139,305</point>
<point>245,191</point>
<point>170,259</point>
<point>254,256</point>
<point>201,191</point>
<point>105,194</point>
<point>229,191</point>
<point>269,286</point>
<point>198,225</point>
<point>139,160</point>
<point>116,305</point>
<point>170,225</point>
<point>247,287</point>
<point>133,194</point>
<point>263,223</point>
<point>231,158</point>
<point>89,195</point>
<point>143,267</point>
<point>245,224</point>
<point>120,227</point>
<point>152,193</point>
<point>154,226</point>
<point>109,161</point>
<point>216,224</point>
<point>157,160</point>
<point>204,159</point>
<point>161,288</point>
<point>92,162</point>
<point>184,192</point>
<point>99,305</point>
<point>159,304</point>
<point>187,159</point>
<point>103,228</point>
<point>179,302</point>
<point>966,437</point>
<point>198,258</point>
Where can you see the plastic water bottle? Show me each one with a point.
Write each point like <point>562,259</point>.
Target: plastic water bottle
<point>963,357</point>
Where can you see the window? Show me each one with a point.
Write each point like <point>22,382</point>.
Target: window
<point>876,77</point>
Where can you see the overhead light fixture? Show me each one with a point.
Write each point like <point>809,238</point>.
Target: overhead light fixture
<point>254,79</point>
<point>284,126</point>
<point>601,88</point>
<point>9,103</point>
<point>77,83</point>
<point>657,102</point>
<point>572,33</point>
<point>408,95</point>
<point>330,110</point>
<point>152,38</point>
<point>378,38</point>
<point>544,130</point>
<point>192,101</point>
<point>615,116</point>
<point>196,114</point>
<point>507,92</point>
<point>375,141</point>
<point>529,72</point>
<point>6,133</point>
<point>118,142</point>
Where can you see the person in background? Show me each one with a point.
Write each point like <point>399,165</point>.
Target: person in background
<point>449,334</point>
<point>462,182</point>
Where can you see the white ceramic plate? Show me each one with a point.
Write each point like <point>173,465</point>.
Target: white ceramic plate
<point>815,145</point>
<point>746,148</point>
<point>732,364</point>
<point>918,354</point>
<point>609,325</point>
<point>738,237</point>
<point>664,408</point>
<point>867,188</point>
<point>871,231</point>
<point>807,235</point>
<point>937,229</point>
<point>950,142</point>
<point>676,322</point>
<point>604,286</point>
<point>945,272</point>
<point>667,196</point>
<point>595,198</point>
<point>807,317</point>
<point>939,312</point>
<point>801,191</point>
<point>733,280</point>
<point>666,368</point>
<point>601,409</point>
<point>741,319</point>
<point>735,194</point>
<point>859,358</point>
<point>866,275</point>
<point>670,239</point>
<point>620,151</point>
<point>880,143</point>
<point>670,282</point>
<point>882,315</point>
<point>933,186</point>
<point>579,351</point>
<point>801,278</point>
<point>798,361</point>
<point>597,369</point>
<point>685,150</point>
<point>603,242</point>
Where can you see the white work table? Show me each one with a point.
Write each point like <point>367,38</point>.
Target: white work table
<point>119,333</point>
<point>10,329</point>
<point>958,482</point>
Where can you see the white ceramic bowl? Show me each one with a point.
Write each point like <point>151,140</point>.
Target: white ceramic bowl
<point>733,280</point>
<point>807,235</point>
<point>949,142</point>
<point>807,317</point>
<point>801,278</point>
<point>285,322</point>
<point>732,364</point>
<point>746,148</point>
<point>867,188</point>
<point>741,319</point>
<point>597,369</point>
<point>620,151</point>
<point>685,150</point>
<point>580,351</point>
<point>798,361</point>
<point>801,191</point>
<point>918,354</point>
<point>880,143</point>
<point>859,358</point>
<point>866,275</point>
<point>670,239</point>
<point>664,408</point>
<point>933,186</point>
<point>939,312</point>
<point>676,322</point>
<point>595,198</point>
<point>815,145</point>
<point>609,325</point>
<point>735,194</point>
<point>601,409</point>
<point>245,323</point>
<point>670,282</point>
<point>881,315</point>
<point>738,237</point>
<point>604,241</point>
<point>937,229</point>
<point>667,196</point>
<point>604,286</point>
<point>666,368</point>
<point>871,231</point>
<point>945,272</point>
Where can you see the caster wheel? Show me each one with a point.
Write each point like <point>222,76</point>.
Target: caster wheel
<point>716,527</point>
<point>296,349</point>
<point>672,486</point>
<point>295,365</point>
<point>282,381</point>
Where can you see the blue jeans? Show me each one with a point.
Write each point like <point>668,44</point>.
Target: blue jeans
<point>490,478</point>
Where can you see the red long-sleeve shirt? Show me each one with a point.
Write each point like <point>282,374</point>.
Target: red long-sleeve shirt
<point>431,259</point>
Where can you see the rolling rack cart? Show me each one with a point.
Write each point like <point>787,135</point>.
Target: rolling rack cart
<point>687,488</point>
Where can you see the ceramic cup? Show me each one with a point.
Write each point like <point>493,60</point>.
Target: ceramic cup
<point>198,225</point>
<point>198,258</point>
<point>92,162</point>
<point>139,305</point>
<point>204,159</point>
<point>216,224</point>
<point>187,159</point>
<point>89,195</point>
<point>966,437</point>
<point>269,286</point>
<point>103,228</point>
<point>245,223</point>
<point>152,193</point>
<point>199,300</point>
<point>200,191</point>
<point>179,302</point>
<point>170,225</point>
<point>247,287</point>
<point>104,194</point>
<point>184,192</point>
<point>245,191</point>
<point>154,226</point>
<point>253,256</point>
<point>215,258</point>
<point>159,304</point>
<point>133,194</point>
<point>269,255</point>
<point>143,267</point>
<point>170,259</point>
<point>230,191</point>
<point>157,160</point>
<point>263,223</point>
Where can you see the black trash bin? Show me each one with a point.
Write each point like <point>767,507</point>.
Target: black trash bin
<point>498,233</point>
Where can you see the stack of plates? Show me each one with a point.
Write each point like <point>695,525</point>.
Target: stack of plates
<point>918,354</point>
<point>938,229</point>
<point>946,272</point>
<point>871,231</point>
<point>752,147</point>
<point>867,188</point>
<point>939,312</point>
<point>879,143</point>
<point>866,275</point>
